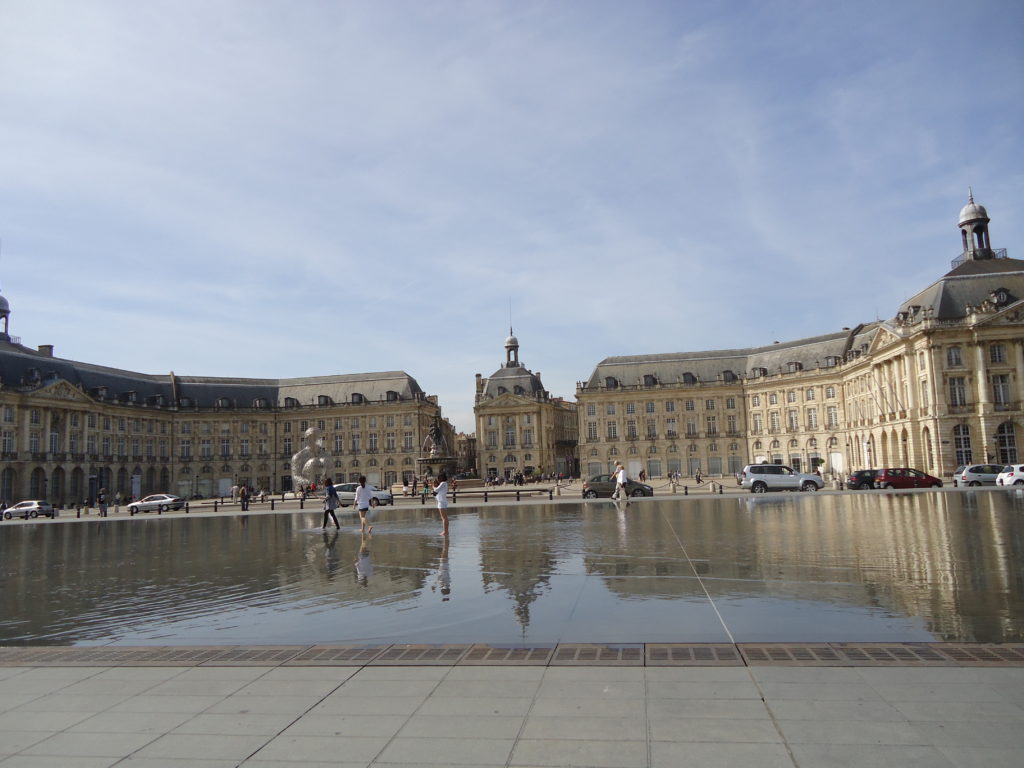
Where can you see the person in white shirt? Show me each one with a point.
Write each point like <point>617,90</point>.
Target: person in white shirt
<point>620,482</point>
<point>362,501</point>
<point>441,491</point>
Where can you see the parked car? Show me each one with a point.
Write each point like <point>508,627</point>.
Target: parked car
<point>156,502</point>
<point>979,474</point>
<point>761,478</point>
<point>347,494</point>
<point>1012,474</point>
<point>861,480</point>
<point>904,477</point>
<point>604,486</point>
<point>27,509</point>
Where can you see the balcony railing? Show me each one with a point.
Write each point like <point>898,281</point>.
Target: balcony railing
<point>1006,406</point>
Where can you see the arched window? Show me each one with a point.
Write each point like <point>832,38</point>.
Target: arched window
<point>324,400</point>
<point>1006,443</point>
<point>611,382</point>
<point>357,397</point>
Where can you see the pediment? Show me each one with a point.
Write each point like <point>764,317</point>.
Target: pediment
<point>1012,314</point>
<point>505,400</point>
<point>62,390</point>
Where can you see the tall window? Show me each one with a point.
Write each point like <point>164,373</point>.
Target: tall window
<point>206,448</point>
<point>652,428</point>
<point>730,424</point>
<point>186,448</point>
<point>962,443</point>
<point>709,405</point>
<point>670,406</point>
<point>243,446</point>
<point>1006,443</point>
<point>527,438</point>
<point>372,442</point>
<point>791,396</point>
<point>7,446</point>
<point>510,437</point>
<point>830,393</point>
<point>613,430</point>
<point>712,423</point>
<point>755,401</point>
<point>833,416</point>
<point>1001,390</point>
<point>631,428</point>
<point>688,405</point>
<point>649,407</point>
<point>812,418</point>
<point>773,421</point>
<point>924,393</point>
<point>591,430</point>
<point>730,403</point>
<point>389,441</point>
<point>773,399</point>
<point>758,424</point>
<point>792,422</point>
<point>670,427</point>
<point>953,357</point>
<point>630,408</point>
<point>609,409</point>
<point>957,391</point>
<point>997,353</point>
<point>591,409</point>
<point>225,446</point>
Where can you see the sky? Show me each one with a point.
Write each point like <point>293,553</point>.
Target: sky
<point>280,189</point>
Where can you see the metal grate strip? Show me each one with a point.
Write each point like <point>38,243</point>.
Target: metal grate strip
<point>890,654</point>
<point>335,656</point>
<point>261,656</point>
<point>421,655</point>
<point>692,655</point>
<point>583,654</point>
<point>508,656</point>
<point>978,655</point>
<point>790,654</point>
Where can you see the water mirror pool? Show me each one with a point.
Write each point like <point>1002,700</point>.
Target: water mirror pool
<point>899,567</point>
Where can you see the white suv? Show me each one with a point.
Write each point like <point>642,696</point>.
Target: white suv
<point>761,478</point>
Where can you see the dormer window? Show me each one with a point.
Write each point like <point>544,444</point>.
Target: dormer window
<point>129,397</point>
<point>611,382</point>
<point>758,372</point>
<point>392,396</point>
<point>793,367</point>
<point>831,361</point>
<point>156,400</point>
<point>100,393</point>
<point>291,402</point>
<point>324,400</point>
<point>728,376</point>
<point>650,380</point>
<point>223,402</point>
<point>689,378</point>
<point>518,390</point>
<point>185,402</point>
<point>502,390</point>
<point>357,398</point>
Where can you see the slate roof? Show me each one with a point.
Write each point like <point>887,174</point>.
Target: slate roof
<point>21,367</point>
<point>970,283</point>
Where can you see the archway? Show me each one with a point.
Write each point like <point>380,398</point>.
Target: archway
<point>884,452</point>
<point>929,458</point>
<point>37,483</point>
<point>57,488</point>
<point>77,491</point>
<point>8,480</point>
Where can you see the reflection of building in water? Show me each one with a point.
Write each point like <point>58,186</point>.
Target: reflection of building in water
<point>957,561</point>
<point>523,572</point>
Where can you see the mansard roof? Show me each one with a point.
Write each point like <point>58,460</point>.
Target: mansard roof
<point>21,367</point>
<point>969,284</point>
<point>508,378</point>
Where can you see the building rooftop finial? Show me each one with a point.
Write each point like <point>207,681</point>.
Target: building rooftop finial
<point>970,194</point>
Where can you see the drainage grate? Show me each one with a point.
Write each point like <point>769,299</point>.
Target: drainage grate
<point>523,657</point>
<point>977,655</point>
<point>260,656</point>
<point>692,655</point>
<point>790,654</point>
<point>577,654</point>
<point>890,654</point>
<point>421,655</point>
<point>335,656</point>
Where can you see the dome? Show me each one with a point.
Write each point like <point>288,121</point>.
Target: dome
<point>511,341</point>
<point>972,212</point>
<point>5,308</point>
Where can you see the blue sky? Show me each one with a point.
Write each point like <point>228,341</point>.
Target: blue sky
<point>277,189</point>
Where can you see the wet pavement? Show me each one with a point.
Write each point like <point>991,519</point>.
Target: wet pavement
<point>845,567</point>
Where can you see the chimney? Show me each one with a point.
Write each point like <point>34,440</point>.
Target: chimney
<point>46,350</point>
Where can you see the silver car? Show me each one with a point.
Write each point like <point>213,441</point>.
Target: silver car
<point>979,474</point>
<point>761,478</point>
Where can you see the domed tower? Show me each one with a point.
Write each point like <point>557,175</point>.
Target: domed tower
<point>974,230</point>
<point>511,350</point>
<point>5,316</point>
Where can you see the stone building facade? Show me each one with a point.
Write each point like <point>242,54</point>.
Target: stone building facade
<point>938,385</point>
<point>68,428</point>
<point>520,427</point>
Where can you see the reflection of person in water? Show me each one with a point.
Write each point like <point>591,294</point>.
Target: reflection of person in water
<point>444,576</point>
<point>331,559</point>
<point>364,567</point>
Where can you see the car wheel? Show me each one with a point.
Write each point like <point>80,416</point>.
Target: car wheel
<point>973,483</point>
<point>163,507</point>
<point>759,488</point>
<point>939,485</point>
<point>865,486</point>
<point>590,494</point>
<point>1018,482</point>
<point>374,502</point>
<point>133,510</point>
<point>33,514</point>
<point>637,492</point>
<point>7,515</point>
<point>809,487</point>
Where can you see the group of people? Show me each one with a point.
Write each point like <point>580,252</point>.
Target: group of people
<point>364,494</point>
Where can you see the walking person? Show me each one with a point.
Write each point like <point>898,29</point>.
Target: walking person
<point>330,503</point>
<point>362,502</point>
<point>243,497</point>
<point>620,482</point>
<point>101,501</point>
<point>441,491</point>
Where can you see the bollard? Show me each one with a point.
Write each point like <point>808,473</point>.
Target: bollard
<point>160,510</point>
<point>271,505</point>
<point>186,507</point>
<point>214,505</point>
<point>721,489</point>
<point>551,495</point>
<point>686,490</point>
<point>517,495</point>
<point>485,495</point>
<point>454,494</point>
<point>302,502</point>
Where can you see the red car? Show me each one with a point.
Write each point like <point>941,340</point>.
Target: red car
<point>902,477</point>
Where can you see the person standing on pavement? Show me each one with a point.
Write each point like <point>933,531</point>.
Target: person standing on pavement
<point>101,502</point>
<point>441,491</point>
<point>362,501</point>
<point>243,497</point>
<point>330,503</point>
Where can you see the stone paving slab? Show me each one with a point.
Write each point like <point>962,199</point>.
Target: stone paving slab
<point>614,716</point>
